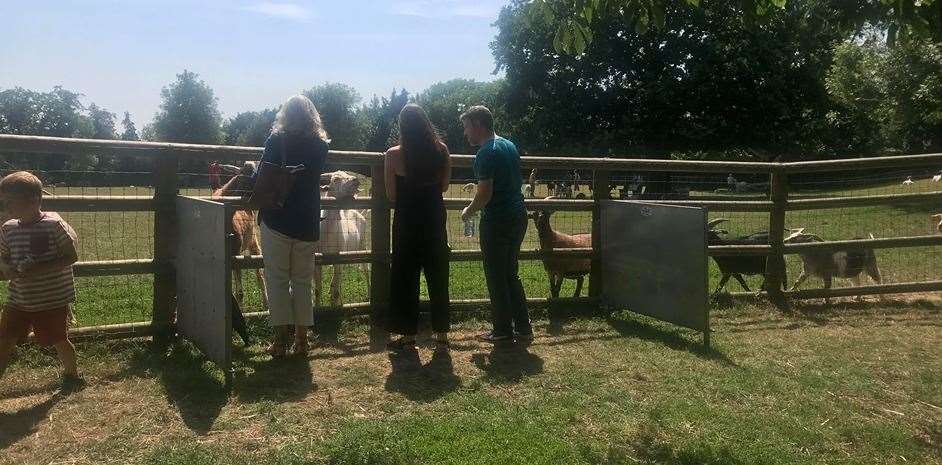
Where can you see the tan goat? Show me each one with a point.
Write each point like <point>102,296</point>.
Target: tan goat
<point>244,230</point>
<point>938,217</point>
<point>559,268</point>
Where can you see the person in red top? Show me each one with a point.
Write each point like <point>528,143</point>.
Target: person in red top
<point>215,172</point>
<point>37,251</point>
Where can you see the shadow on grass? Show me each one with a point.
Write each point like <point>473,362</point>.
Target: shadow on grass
<point>508,362</point>
<point>191,383</point>
<point>280,380</point>
<point>636,328</point>
<point>22,423</point>
<point>422,383</point>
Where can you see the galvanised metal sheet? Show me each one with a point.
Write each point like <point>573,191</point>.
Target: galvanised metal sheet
<point>203,264</point>
<point>654,261</point>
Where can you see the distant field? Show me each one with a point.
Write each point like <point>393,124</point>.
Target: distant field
<point>126,235</point>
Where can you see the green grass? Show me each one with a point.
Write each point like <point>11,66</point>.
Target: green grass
<point>854,384</point>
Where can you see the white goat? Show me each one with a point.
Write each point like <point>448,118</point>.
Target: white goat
<point>908,181</point>
<point>937,178</point>
<point>341,231</point>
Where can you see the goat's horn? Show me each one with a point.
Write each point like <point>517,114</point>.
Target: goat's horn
<point>715,222</point>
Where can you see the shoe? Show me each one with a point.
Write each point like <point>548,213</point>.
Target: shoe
<point>400,345</point>
<point>491,337</point>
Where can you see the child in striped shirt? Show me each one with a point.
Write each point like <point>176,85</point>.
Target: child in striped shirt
<point>37,251</point>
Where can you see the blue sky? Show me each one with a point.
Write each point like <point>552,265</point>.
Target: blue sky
<point>254,54</point>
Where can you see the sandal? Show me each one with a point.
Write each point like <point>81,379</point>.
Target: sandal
<point>300,349</point>
<point>401,344</point>
<point>276,350</point>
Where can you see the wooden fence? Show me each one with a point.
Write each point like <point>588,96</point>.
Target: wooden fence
<point>166,157</point>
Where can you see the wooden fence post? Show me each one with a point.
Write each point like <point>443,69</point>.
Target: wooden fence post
<point>379,267</point>
<point>775,264</point>
<point>165,245</point>
<point>601,190</point>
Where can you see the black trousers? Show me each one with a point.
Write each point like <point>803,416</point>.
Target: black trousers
<point>500,244</point>
<point>413,253</point>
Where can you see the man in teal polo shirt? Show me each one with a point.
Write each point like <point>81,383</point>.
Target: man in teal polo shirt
<point>503,224</point>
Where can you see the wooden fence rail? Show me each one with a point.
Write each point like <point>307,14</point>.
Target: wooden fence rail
<point>167,156</point>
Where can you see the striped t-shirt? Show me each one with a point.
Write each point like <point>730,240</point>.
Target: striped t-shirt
<point>43,241</point>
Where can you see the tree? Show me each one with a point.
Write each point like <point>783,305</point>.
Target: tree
<point>249,128</point>
<point>56,113</point>
<point>445,101</point>
<point>336,104</point>
<point>188,112</point>
<point>381,116</point>
<point>703,81</point>
<point>130,131</point>
<point>887,98</point>
<point>572,22</point>
<point>102,122</point>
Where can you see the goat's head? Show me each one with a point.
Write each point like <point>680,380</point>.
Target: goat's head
<point>713,234</point>
<point>342,185</point>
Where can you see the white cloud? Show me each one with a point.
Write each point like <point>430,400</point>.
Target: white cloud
<point>447,8</point>
<point>280,10</point>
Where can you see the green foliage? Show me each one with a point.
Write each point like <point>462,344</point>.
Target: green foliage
<point>57,113</point>
<point>380,116</point>
<point>336,104</point>
<point>445,101</point>
<point>703,81</point>
<point>887,97</point>
<point>130,131</point>
<point>249,128</point>
<point>572,22</point>
<point>188,112</point>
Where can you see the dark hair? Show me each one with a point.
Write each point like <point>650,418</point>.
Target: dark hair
<point>480,115</point>
<point>22,183</point>
<point>420,145</point>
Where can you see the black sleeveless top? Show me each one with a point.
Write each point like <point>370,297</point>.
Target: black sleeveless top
<point>420,211</point>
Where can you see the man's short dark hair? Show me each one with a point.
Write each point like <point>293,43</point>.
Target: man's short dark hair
<point>480,115</point>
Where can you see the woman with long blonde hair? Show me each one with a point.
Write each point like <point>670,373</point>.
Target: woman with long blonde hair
<point>289,233</point>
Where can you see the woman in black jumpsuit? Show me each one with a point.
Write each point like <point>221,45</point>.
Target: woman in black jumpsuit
<point>417,172</point>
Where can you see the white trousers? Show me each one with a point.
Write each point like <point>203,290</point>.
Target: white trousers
<point>289,267</point>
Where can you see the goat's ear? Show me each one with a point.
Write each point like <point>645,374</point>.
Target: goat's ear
<point>716,221</point>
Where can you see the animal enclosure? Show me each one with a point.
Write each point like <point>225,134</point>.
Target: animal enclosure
<point>125,217</point>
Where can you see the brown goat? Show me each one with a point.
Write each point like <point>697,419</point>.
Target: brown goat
<point>559,268</point>
<point>245,239</point>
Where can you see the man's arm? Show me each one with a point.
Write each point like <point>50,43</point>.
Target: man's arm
<point>483,195</point>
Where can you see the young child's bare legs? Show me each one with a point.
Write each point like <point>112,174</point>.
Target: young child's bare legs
<point>66,352</point>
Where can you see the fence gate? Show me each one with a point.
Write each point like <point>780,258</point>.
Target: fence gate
<point>203,268</point>
<point>654,262</point>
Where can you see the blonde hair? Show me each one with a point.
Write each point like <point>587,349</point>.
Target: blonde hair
<point>22,183</point>
<point>299,116</point>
